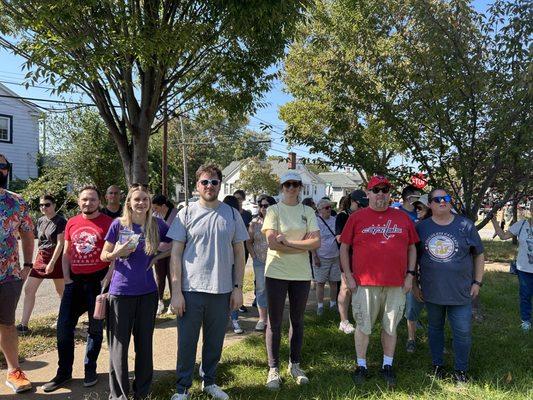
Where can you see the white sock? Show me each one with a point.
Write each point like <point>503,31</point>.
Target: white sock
<point>332,304</point>
<point>387,360</point>
<point>320,305</point>
<point>361,362</point>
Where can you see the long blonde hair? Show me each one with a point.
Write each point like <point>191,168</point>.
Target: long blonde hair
<point>150,227</point>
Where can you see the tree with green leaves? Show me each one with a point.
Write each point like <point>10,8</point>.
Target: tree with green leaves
<point>256,178</point>
<point>431,79</point>
<point>131,57</point>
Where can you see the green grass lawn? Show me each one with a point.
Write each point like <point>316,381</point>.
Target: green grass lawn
<point>499,251</point>
<point>501,361</point>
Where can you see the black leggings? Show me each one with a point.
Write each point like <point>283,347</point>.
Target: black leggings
<point>162,272</point>
<point>276,290</point>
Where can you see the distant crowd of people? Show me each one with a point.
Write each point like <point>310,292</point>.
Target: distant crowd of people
<point>114,262</point>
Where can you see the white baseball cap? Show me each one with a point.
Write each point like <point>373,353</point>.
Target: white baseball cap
<point>290,176</point>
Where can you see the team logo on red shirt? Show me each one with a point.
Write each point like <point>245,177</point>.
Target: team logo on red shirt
<point>386,230</point>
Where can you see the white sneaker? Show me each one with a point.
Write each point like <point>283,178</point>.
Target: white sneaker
<point>260,326</point>
<point>180,396</point>
<point>525,326</point>
<point>273,379</point>
<point>215,392</point>
<point>346,327</point>
<point>160,308</point>
<point>236,327</point>
<point>169,310</point>
<point>298,374</point>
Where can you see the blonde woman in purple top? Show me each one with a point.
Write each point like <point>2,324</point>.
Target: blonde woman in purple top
<point>132,243</point>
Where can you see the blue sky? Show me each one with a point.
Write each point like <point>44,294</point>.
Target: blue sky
<point>11,75</point>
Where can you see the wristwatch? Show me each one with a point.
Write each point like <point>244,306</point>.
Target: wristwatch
<point>411,272</point>
<point>27,265</point>
<point>237,286</point>
<point>474,282</point>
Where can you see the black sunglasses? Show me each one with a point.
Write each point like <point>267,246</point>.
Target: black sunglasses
<point>288,185</point>
<point>264,205</point>
<point>4,166</point>
<point>437,199</point>
<point>137,184</point>
<point>45,205</point>
<point>205,182</point>
<point>383,189</point>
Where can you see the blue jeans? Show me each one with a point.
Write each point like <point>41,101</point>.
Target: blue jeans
<point>460,318</point>
<point>79,297</point>
<point>260,292</point>
<point>210,312</point>
<point>525,280</point>
<point>413,307</point>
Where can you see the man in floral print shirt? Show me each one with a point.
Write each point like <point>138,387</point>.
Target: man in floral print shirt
<point>15,222</point>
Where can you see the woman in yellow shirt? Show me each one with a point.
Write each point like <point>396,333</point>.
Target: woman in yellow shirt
<point>292,231</point>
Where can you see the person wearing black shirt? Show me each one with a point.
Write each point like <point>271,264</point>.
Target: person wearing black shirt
<point>113,208</point>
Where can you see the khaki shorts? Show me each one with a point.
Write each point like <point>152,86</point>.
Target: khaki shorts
<point>329,270</point>
<point>369,302</point>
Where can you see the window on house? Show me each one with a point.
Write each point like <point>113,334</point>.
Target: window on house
<point>306,190</point>
<point>5,128</point>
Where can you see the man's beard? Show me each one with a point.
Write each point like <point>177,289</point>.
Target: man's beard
<point>3,181</point>
<point>88,212</point>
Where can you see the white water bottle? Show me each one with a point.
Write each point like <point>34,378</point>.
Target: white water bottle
<point>125,235</point>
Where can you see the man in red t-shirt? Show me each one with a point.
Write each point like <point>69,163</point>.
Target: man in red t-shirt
<point>383,264</point>
<point>83,271</point>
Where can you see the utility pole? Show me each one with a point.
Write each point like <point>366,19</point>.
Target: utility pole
<point>164,167</point>
<point>185,173</point>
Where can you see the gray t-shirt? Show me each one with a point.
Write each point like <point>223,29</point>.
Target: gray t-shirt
<point>446,260</point>
<point>209,235</point>
<point>524,260</point>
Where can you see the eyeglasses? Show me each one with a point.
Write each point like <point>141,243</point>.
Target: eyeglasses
<point>383,189</point>
<point>45,205</point>
<point>264,205</point>
<point>288,185</point>
<point>4,166</point>
<point>205,182</point>
<point>437,199</point>
<point>326,208</point>
<point>419,208</point>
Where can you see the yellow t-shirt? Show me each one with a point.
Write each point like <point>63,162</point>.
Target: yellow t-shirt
<point>294,222</point>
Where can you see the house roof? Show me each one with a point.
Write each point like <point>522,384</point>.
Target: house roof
<point>33,107</point>
<point>339,179</point>
<point>279,167</point>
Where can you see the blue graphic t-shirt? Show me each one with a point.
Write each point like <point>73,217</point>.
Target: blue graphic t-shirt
<point>412,214</point>
<point>446,260</point>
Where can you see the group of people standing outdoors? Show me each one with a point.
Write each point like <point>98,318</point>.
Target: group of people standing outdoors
<point>379,254</point>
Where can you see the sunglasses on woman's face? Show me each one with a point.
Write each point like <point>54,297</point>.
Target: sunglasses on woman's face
<point>263,205</point>
<point>137,184</point>
<point>45,205</point>
<point>382,189</point>
<point>437,199</point>
<point>205,182</point>
<point>4,166</point>
<point>288,185</point>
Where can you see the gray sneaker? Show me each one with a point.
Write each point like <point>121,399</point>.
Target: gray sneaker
<point>215,392</point>
<point>273,379</point>
<point>410,346</point>
<point>525,326</point>
<point>298,374</point>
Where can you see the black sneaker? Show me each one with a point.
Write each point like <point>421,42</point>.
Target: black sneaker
<point>360,375</point>
<point>460,378</point>
<point>254,304</point>
<point>388,375</point>
<point>23,329</point>
<point>56,383</point>
<point>243,309</point>
<point>91,378</point>
<point>438,372</point>
<point>410,347</point>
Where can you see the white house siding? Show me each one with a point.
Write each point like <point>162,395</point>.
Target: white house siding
<point>22,151</point>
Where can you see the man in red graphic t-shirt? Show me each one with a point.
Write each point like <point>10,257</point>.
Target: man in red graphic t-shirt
<point>383,264</point>
<point>83,271</point>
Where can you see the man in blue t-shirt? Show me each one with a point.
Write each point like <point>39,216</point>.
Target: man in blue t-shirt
<point>451,266</point>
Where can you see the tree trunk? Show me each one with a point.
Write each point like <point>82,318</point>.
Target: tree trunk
<point>139,166</point>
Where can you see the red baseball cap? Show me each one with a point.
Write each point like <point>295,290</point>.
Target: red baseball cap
<point>378,180</point>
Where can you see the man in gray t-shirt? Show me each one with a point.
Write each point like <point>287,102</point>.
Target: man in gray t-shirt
<point>207,269</point>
